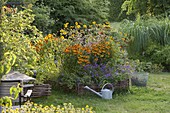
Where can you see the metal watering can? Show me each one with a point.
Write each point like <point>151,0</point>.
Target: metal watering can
<point>105,93</point>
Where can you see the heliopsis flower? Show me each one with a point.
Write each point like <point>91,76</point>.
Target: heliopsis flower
<point>85,26</point>
<point>76,23</point>
<point>78,26</point>
<point>73,35</point>
<point>66,25</point>
<point>93,22</point>
<point>62,37</point>
<point>50,36</point>
<point>87,106</point>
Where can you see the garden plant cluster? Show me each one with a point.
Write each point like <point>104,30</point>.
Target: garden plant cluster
<point>72,50</point>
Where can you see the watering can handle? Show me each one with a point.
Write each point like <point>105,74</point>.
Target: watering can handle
<point>108,84</point>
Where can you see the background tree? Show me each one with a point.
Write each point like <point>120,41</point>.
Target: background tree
<point>77,10</point>
<point>42,18</point>
<point>115,11</point>
<point>147,7</point>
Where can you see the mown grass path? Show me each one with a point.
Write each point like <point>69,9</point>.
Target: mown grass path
<point>155,98</point>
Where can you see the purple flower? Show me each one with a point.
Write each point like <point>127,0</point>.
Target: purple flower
<point>108,75</point>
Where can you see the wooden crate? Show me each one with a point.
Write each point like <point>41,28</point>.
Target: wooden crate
<point>40,90</point>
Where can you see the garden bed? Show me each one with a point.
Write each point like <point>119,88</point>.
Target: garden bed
<point>120,86</point>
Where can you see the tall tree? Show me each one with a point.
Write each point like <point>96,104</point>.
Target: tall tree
<point>78,10</point>
<point>147,7</point>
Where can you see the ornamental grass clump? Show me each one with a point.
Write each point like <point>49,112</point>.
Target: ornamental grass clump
<point>30,107</point>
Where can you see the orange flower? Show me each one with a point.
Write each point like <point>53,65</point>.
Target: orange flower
<point>79,62</point>
<point>67,50</point>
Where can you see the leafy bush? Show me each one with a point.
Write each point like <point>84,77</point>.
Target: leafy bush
<point>150,67</point>
<point>65,108</point>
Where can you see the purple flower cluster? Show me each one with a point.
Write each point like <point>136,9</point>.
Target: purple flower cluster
<point>98,70</point>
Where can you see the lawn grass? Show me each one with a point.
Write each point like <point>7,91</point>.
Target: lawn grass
<point>155,98</point>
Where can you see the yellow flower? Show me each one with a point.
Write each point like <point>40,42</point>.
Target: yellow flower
<point>76,23</point>
<point>71,27</point>
<point>64,33</point>
<point>85,26</point>
<point>66,25</point>
<point>62,37</point>
<point>50,35</point>
<point>93,22</point>
<point>35,104</point>
<point>61,31</point>
<point>82,109</point>
<point>78,26</point>
<point>33,109</point>
<point>107,23</point>
<point>87,106</point>
<point>73,35</point>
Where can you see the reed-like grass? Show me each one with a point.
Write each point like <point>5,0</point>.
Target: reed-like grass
<point>143,31</point>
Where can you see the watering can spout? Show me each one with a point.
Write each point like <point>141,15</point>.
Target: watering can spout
<point>97,93</point>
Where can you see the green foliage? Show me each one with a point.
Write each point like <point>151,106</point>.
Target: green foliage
<point>14,91</point>
<point>142,32</point>
<point>16,35</point>
<point>147,66</point>
<point>6,101</point>
<point>7,62</point>
<point>159,54</point>
<point>42,18</point>
<point>146,7</point>
<point>77,10</point>
<point>156,68</point>
<point>24,1</point>
<point>115,11</point>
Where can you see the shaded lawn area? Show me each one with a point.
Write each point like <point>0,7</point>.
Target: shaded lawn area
<point>155,98</point>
